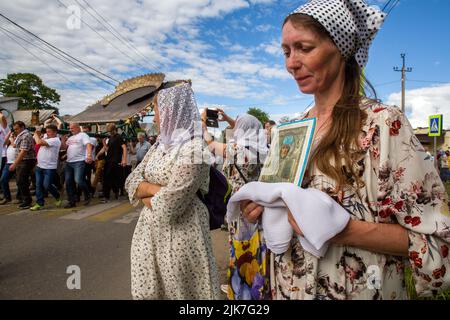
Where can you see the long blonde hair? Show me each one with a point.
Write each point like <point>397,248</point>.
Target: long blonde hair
<point>336,155</point>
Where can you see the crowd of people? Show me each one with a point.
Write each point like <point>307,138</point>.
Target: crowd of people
<point>48,163</point>
<point>443,161</point>
<point>366,168</point>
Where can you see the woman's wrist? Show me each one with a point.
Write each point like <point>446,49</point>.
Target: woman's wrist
<point>147,189</point>
<point>376,237</point>
<point>347,234</point>
<point>206,136</point>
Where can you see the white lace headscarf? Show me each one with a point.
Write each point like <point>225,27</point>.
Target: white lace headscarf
<point>178,114</point>
<point>248,132</point>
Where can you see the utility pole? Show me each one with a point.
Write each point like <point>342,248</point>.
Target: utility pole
<point>403,70</point>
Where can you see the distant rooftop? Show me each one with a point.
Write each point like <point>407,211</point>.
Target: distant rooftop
<point>7,99</point>
<point>26,115</point>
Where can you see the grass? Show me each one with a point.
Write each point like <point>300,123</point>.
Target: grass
<point>447,187</point>
<point>409,280</point>
<point>412,291</point>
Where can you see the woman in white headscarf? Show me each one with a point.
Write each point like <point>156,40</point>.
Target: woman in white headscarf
<point>171,251</point>
<point>244,153</point>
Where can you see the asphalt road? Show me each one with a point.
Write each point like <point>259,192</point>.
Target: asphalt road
<point>36,250</point>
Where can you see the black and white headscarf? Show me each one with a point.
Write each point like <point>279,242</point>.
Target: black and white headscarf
<point>352,24</point>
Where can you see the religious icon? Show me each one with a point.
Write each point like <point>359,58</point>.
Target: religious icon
<point>289,152</point>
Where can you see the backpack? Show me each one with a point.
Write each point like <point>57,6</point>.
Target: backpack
<point>217,198</point>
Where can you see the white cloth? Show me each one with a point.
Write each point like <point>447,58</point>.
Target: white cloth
<point>94,145</point>
<point>3,133</point>
<point>249,133</point>
<point>47,157</point>
<point>76,147</point>
<point>11,154</point>
<point>128,155</point>
<point>179,116</point>
<point>318,216</point>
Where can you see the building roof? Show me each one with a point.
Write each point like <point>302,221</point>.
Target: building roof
<point>7,99</point>
<point>120,108</point>
<point>422,130</point>
<point>131,98</point>
<point>25,116</point>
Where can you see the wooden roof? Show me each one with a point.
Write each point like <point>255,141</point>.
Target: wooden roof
<point>120,108</point>
<point>130,98</point>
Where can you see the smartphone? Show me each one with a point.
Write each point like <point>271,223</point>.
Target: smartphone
<point>211,118</point>
<point>212,114</point>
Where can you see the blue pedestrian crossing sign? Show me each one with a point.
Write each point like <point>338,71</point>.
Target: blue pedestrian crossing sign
<point>435,125</point>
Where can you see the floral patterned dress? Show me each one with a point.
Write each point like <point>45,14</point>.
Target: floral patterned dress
<point>401,187</point>
<point>171,250</point>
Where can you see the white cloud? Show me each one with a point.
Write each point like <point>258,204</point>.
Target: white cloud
<point>423,102</point>
<point>277,117</point>
<point>261,1</point>
<point>263,27</point>
<point>286,100</point>
<point>272,48</point>
<point>77,100</point>
<point>224,107</point>
<point>276,73</point>
<point>166,32</point>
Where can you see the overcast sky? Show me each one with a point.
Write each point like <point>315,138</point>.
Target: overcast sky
<point>229,48</point>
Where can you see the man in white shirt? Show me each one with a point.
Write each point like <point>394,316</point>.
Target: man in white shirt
<point>47,162</point>
<point>4,130</point>
<point>79,152</point>
<point>89,167</point>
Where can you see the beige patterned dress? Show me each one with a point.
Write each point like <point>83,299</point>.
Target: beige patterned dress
<point>401,187</point>
<point>171,250</point>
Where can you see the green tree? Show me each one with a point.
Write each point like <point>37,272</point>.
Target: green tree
<point>284,119</point>
<point>29,87</point>
<point>259,114</point>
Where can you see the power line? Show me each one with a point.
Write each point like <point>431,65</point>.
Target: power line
<point>385,83</point>
<point>386,4</point>
<point>31,40</point>
<point>36,57</point>
<point>393,6</point>
<point>112,44</point>
<point>429,81</point>
<point>63,59</point>
<point>116,33</point>
<point>65,53</point>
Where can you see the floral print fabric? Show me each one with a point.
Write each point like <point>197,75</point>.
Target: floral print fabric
<point>171,250</point>
<point>401,187</point>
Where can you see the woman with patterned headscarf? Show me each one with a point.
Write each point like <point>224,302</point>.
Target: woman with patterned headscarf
<point>367,158</point>
<point>171,251</point>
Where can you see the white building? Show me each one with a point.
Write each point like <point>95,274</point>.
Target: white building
<point>9,103</point>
